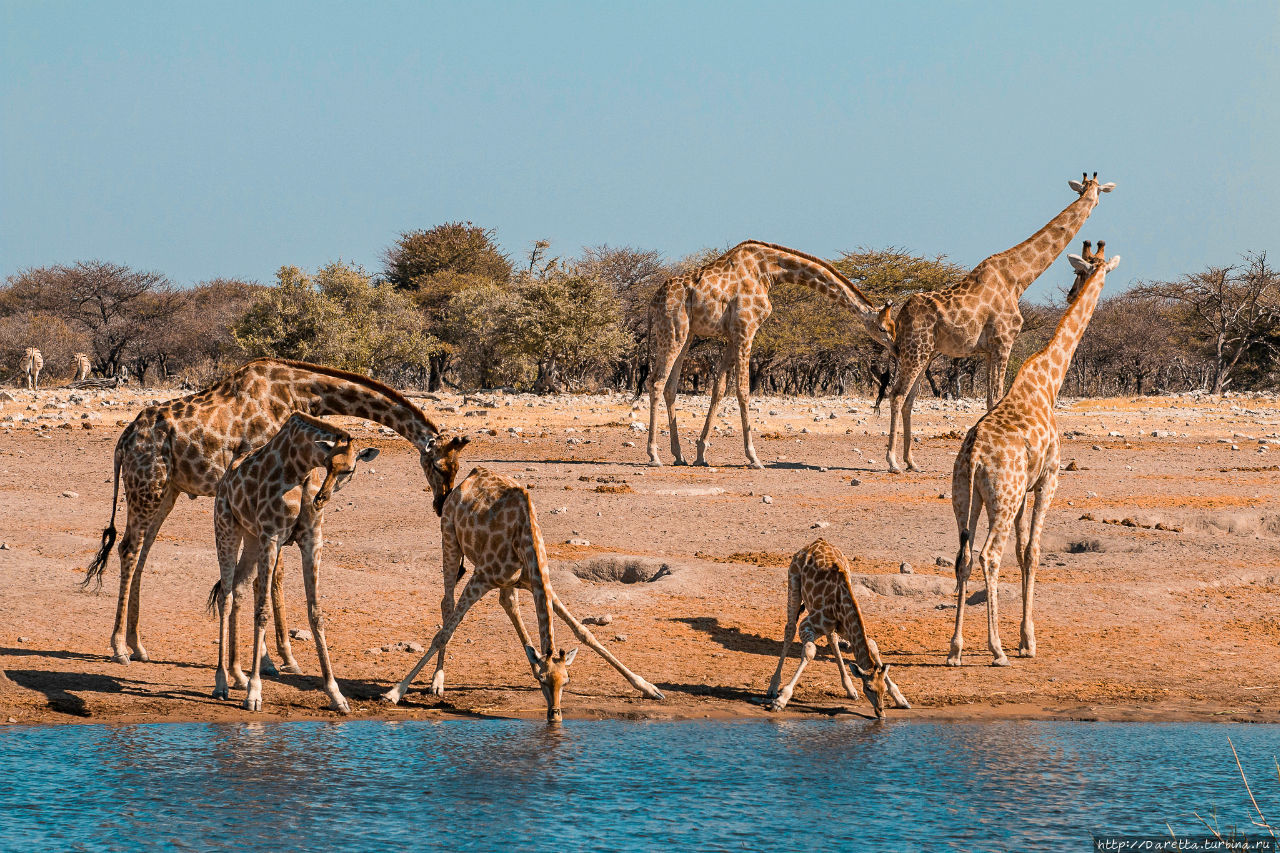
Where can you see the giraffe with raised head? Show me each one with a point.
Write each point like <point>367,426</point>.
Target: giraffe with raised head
<point>83,367</point>
<point>490,520</point>
<point>185,445</point>
<point>728,299</point>
<point>978,315</point>
<point>32,364</point>
<point>1011,454</point>
<point>273,497</point>
<point>818,580</point>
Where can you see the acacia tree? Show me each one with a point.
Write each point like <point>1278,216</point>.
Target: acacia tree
<point>634,274</point>
<point>1229,310</point>
<point>436,264</point>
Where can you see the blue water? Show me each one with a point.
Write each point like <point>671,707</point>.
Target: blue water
<point>464,785</point>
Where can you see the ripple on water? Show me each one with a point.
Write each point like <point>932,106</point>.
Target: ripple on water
<point>621,785</point>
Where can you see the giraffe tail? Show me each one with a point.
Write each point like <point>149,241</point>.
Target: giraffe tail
<point>93,575</point>
<point>212,604</point>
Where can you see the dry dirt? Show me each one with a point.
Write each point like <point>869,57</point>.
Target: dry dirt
<point>1133,621</point>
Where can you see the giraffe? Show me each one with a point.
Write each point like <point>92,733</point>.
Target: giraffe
<point>83,367</point>
<point>728,299</point>
<point>32,364</point>
<point>490,520</point>
<point>185,445</point>
<point>818,579</point>
<point>270,498</point>
<point>1013,453</point>
<point>978,315</point>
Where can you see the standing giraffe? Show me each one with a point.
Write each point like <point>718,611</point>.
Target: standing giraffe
<point>978,315</point>
<point>185,445</point>
<point>818,580</point>
<point>268,499</point>
<point>728,299</point>
<point>32,364</point>
<point>490,520</point>
<point>83,367</point>
<point>1011,453</point>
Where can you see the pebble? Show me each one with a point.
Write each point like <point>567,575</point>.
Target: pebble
<point>71,494</point>
<point>619,638</point>
<point>598,620</point>
<point>24,639</point>
<point>818,525</point>
<point>906,569</point>
<point>854,481</point>
<point>1097,447</point>
<point>768,499</point>
<point>302,635</point>
<point>581,543</point>
<point>628,444</point>
<point>942,561</point>
<point>4,546</point>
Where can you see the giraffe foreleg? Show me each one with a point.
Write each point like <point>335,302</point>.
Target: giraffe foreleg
<point>744,396</point>
<point>671,345</point>
<point>133,586</point>
<point>452,571</point>
<point>509,597</point>
<point>245,572</point>
<point>310,543</point>
<point>793,616</point>
<point>806,656</point>
<point>900,399</point>
<point>717,393</point>
<point>471,593</point>
<point>228,538</point>
<point>846,681</point>
<point>267,561</point>
<point>585,636</point>
<point>966,502</point>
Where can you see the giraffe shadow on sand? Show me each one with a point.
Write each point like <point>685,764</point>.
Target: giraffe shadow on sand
<point>62,689</point>
<point>87,657</point>
<point>733,639</point>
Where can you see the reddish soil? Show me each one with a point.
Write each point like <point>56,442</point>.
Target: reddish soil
<point>1133,622</point>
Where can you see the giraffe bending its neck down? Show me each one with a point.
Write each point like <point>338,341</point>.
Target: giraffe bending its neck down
<point>978,315</point>
<point>185,445</point>
<point>489,520</point>
<point>818,580</point>
<point>1011,453</point>
<point>83,367</point>
<point>728,299</point>
<point>32,364</point>
<point>271,498</point>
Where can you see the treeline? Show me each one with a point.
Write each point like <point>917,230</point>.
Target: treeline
<point>449,309</point>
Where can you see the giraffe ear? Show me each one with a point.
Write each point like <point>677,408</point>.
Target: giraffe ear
<point>862,673</point>
<point>1113,263</point>
<point>326,445</point>
<point>568,659</point>
<point>534,660</point>
<point>1106,188</point>
<point>1080,264</point>
<point>1076,185</point>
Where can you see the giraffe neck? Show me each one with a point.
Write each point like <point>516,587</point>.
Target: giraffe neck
<point>320,390</point>
<point>1055,358</point>
<point>1027,260</point>
<point>855,630</point>
<point>783,264</point>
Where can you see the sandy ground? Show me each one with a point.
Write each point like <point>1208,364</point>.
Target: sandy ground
<point>1133,622</point>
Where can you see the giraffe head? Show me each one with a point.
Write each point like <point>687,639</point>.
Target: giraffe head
<point>1088,262</point>
<point>881,325</point>
<point>878,686</point>
<point>1087,184</point>
<point>552,670</point>
<point>440,461</point>
<point>340,466</point>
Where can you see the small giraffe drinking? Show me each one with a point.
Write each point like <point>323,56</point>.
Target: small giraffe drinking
<point>818,580</point>
<point>274,497</point>
<point>490,520</point>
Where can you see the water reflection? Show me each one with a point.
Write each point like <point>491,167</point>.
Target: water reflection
<point>619,786</point>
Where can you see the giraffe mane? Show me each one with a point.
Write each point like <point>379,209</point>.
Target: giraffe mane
<point>354,378</point>
<point>825,264</point>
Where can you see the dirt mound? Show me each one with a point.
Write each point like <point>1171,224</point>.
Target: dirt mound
<point>1261,525</point>
<point>621,569</point>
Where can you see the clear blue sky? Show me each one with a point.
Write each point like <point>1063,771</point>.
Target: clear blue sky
<point>215,139</point>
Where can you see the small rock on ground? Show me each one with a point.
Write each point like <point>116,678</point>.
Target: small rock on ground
<point>905,568</point>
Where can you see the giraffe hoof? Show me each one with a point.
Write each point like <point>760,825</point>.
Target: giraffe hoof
<point>252,704</point>
<point>679,462</point>
<point>1025,652</point>
<point>953,660</point>
<point>1000,661</point>
<point>391,697</point>
<point>655,462</point>
<point>140,654</point>
<point>651,692</point>
<point>121,658</point>
<point>894,469</point>
<point>340,705</point>
<point>291,668</point>
<point>220,693</point>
